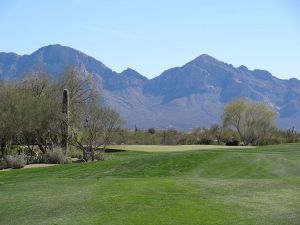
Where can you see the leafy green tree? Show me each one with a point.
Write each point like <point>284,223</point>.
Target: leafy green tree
<point>9,127</point>
<point>39,110</point>
<point>252,120</point>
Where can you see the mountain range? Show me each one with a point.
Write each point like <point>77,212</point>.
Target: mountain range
<point>184,97</point>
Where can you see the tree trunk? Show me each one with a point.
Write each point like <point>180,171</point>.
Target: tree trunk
<point>85,157</point>
<point>93,154</point>
<point>3,144</point>
<point>41,147</point>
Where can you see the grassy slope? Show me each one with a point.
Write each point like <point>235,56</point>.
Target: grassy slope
<point>226,186</point>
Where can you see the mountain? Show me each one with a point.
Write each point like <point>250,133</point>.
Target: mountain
<point>182,97</point>
<point>54,59</point>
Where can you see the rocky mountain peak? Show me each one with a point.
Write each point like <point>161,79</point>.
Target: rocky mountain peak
<point>130,73</point>
<point>204,59</point>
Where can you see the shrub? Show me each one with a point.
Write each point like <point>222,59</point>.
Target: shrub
<point>12,150</point>
<point>205,141</point>
<point>74,152</point>
<point>151,131</point>
<point>3,165</point>
<point>15,161</point>
<point>39,159</point>
<point>233,142</point>
<point>99,156</point>
<point>68,160</point>
<point>56,156</point>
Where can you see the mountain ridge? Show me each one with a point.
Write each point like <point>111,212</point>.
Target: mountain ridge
<point>183,97</point>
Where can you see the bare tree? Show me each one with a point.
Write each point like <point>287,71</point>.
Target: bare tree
<point>81,88</point>
<point>95,130</point>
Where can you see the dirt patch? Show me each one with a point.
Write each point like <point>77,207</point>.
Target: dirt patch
<point>33,166</point>
<point>38,165</point>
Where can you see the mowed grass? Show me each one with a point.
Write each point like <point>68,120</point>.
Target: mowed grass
<point>171,148</point>
<point>210,186</point>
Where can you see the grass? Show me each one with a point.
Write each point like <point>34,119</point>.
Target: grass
<point>171,148</point>
<point>209,186</point>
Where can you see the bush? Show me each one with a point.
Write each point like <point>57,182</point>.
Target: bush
<point>99,156</point>
<point>15,161</point>
<point>151,131</point>
<point>68,160</point>
<point>3,165</point>
<point>56,156</point>
<point>233,142</point>
<point>39,159</point>
<point>13,150</point>
<point>205,141</point>
<point>74,152</point>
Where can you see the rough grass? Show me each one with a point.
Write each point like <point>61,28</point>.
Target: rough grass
<point>221,186</point>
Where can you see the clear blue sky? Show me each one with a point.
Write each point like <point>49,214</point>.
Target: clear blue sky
<point>154,35</point>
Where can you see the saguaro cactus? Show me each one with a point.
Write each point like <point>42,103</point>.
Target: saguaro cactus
<point>65,121</point>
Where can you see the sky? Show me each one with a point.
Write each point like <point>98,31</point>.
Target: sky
<point>151,36</point>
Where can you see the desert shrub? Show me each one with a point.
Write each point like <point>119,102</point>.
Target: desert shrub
<point>56,156</point>
<point>187,139</point>
<point>205,136</point>
<point>169,137</point>
<point>99,156</point>
<point>233,142</point>
<point>272,140</point>
<point>3,165</point>
<point>151,131</point>
<point>74,152</point>
<point>205,141</point>
<point>13,150</point>
<point>68,160</point>
<point>15,161</point>
<point>39,159</point>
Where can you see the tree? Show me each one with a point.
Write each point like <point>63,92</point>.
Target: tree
<point>38,108</point>
<point>252,120</point>
<point>31,113</point>
<point>82,89</point>
<point>95,129</point>
<point>8,115</point>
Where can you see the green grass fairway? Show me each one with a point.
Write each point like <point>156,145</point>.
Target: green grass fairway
<point>169,148</point>
<point>221,186</point>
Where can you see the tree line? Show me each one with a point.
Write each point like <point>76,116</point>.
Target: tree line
<point>244,122</point>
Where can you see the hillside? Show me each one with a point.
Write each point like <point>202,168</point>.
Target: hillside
<point>182,97</point>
